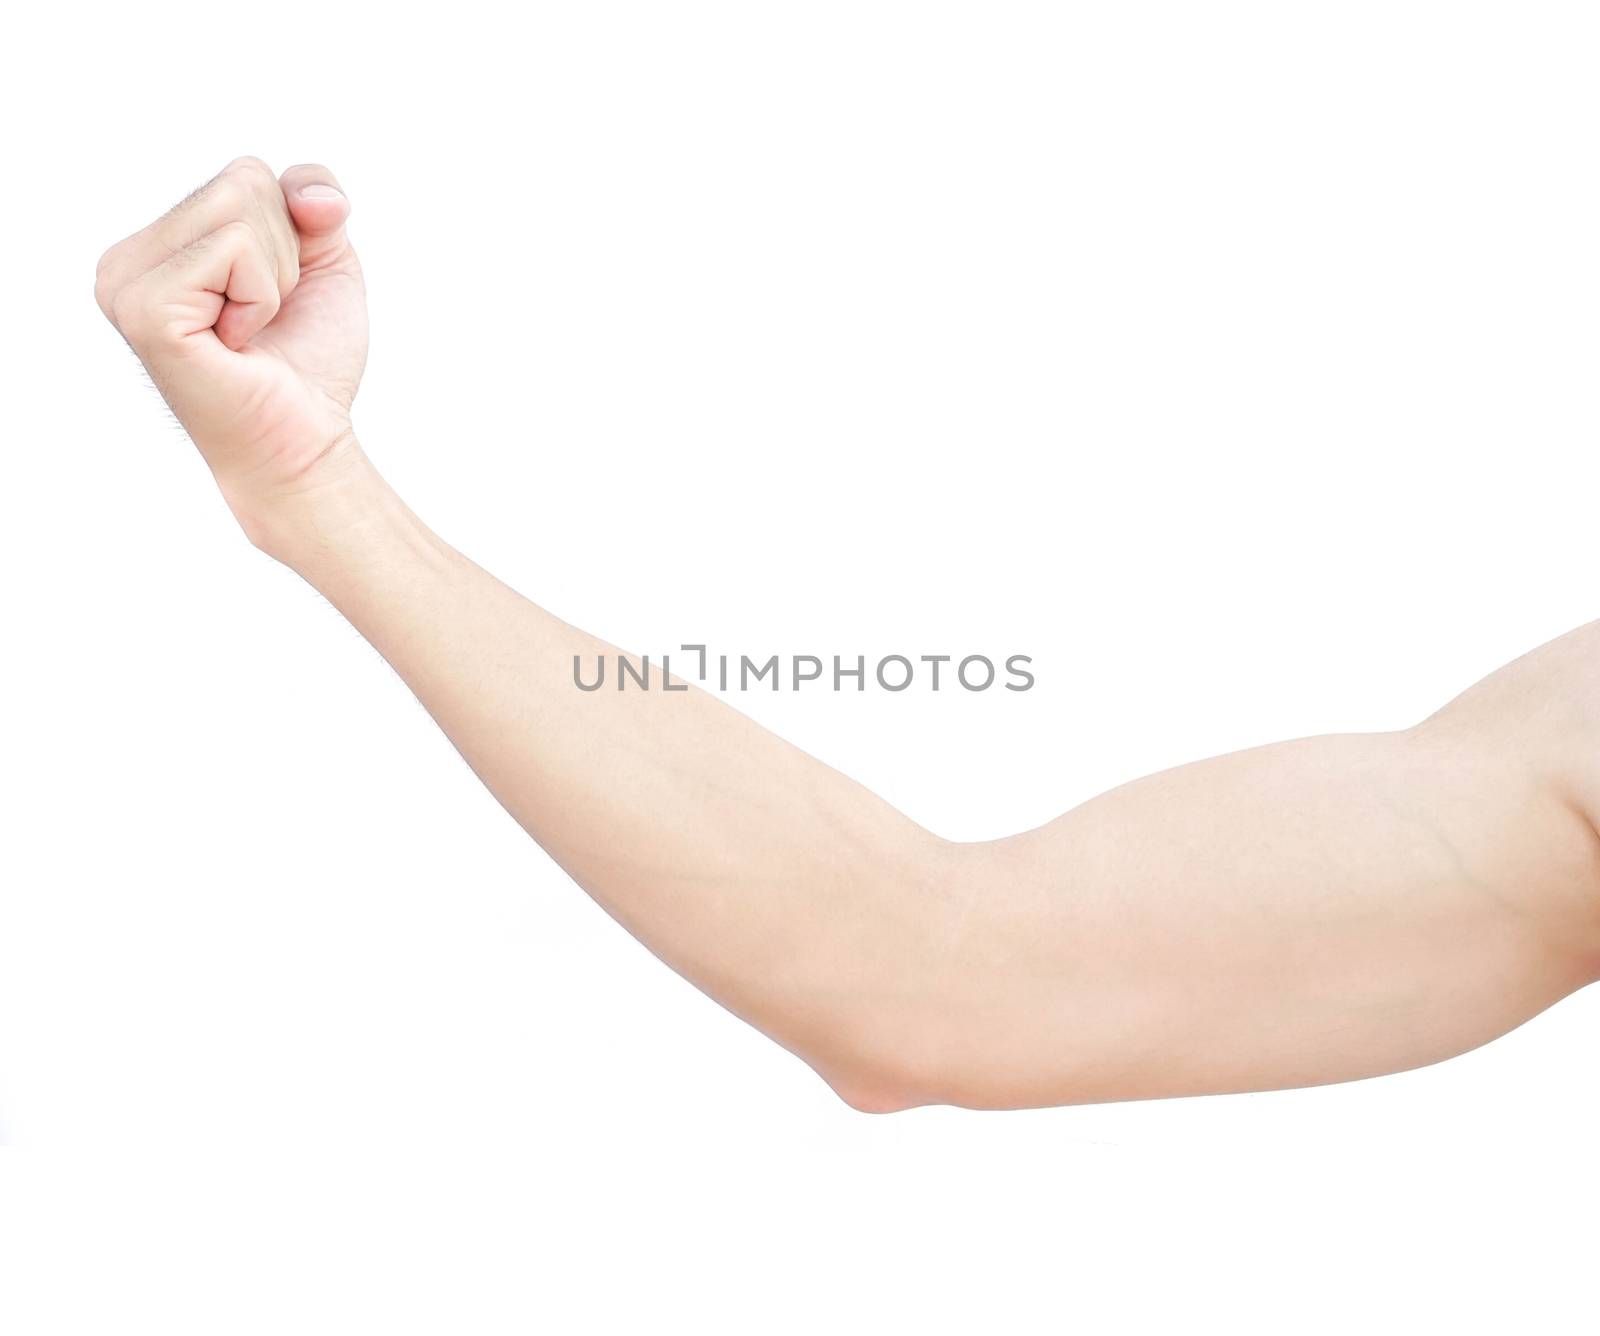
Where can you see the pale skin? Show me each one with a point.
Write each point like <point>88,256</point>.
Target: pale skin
<point>1314,911</point>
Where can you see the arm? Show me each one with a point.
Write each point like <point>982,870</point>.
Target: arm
<point>1313,911</point>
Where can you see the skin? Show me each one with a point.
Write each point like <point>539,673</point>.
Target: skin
<point>1313,911</point>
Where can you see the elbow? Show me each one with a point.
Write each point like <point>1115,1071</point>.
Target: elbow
<point>893,1080</point>
<point>878,1086</point>
<point>870,1098</point>
<point>905,1016</point>
<point>890,1052</point>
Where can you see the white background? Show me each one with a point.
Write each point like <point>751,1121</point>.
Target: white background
<point>1236,361</point>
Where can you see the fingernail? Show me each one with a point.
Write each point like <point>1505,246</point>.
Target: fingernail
<point>321,192</point>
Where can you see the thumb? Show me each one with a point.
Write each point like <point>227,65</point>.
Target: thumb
<point>318,208</point>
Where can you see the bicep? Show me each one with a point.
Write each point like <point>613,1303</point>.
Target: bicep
<point>1313,911</point>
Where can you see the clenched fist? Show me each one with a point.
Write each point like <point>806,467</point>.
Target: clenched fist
<point>246,305</point>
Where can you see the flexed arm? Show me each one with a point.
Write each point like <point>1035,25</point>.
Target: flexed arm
<point>1314,911</point>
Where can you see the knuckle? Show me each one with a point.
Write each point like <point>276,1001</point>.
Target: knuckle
<point>104,280</point>
<point>128,310</point>
<point>236,232</point>
<point>231,195</point>
<point>246,167</point>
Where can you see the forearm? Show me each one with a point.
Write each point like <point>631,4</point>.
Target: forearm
<point>785,890</point>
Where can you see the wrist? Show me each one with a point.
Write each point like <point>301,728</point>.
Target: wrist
<point>327,512</point>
